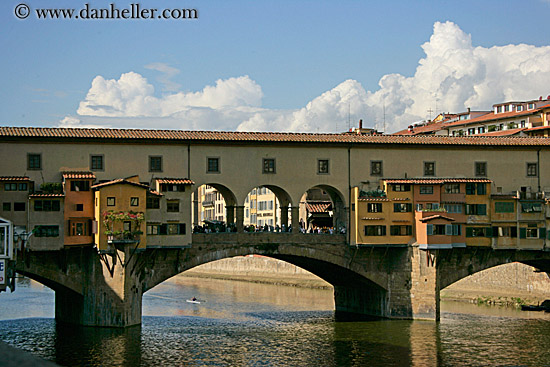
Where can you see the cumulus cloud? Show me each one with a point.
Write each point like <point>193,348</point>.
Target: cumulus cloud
<point>453,76</point>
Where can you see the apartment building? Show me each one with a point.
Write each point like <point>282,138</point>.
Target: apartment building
<point>445,213</point>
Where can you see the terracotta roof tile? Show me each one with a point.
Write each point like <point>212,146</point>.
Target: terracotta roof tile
<point>435,181</point>
<point>318,207</point>
<point>73,134</point>
<point>119,181</point>
<point>508,132</point>
<point>176,181</point>
<point>78,175</point>
<point>14,178</point>
<point>437,216</point>
<point>47,195</point>
<point>371,218</point>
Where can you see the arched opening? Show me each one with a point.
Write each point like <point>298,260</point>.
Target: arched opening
<point>322,209</point>
<point>214,209</point>
<point>507,284</point>
<point>268,209</point>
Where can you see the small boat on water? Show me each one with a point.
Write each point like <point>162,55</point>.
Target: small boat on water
<point>194,300</point>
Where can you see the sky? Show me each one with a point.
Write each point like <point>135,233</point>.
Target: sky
<point>289,66</point>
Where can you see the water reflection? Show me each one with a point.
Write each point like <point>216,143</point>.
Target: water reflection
<point>244,324</point>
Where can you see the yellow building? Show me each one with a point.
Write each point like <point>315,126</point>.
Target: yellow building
<point>119,211</point>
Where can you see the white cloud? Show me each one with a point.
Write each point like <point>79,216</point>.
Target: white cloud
<point>168,72</point>
<point>453,76</point>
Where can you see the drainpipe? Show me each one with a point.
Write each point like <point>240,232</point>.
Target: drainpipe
<point>348,230</point>
<point>189,160</point>
<point>538,169</point>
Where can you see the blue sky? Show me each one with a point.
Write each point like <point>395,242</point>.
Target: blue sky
<point>268,65</point>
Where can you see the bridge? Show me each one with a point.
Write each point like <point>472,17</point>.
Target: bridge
<point>112,210</point>
<point>402,283</point>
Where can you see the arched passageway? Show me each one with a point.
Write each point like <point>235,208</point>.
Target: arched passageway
<point>322,209</point>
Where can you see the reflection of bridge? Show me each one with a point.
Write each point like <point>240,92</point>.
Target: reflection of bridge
<point>101,282</point>
<point>385,282</point>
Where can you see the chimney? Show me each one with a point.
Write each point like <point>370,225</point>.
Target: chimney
<point>540,98</point>
<point>468,109</point>
<point>360,124</point>
<point>411,129</point>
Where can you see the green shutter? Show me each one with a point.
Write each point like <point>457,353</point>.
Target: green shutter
<point>523,233</point>
<point>448,229</point>
<point>542,233</point>
<point>481,209</point>
<point>430,229</point>
<point>495,231</point>
<point>469,232</point>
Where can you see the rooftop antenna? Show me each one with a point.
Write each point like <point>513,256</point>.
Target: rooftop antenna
<point>430,112</point>
<point>349,116</point>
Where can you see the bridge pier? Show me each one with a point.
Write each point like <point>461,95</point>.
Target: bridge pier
<point>111,294</point>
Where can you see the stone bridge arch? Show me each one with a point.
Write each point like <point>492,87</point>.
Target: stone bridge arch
<point>456,265</point>
<point>358,288</point>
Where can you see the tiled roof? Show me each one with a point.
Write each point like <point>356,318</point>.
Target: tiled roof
<point>14,178</point>
<point>318,207</point>
<point>47,195</point>
<point>78,175</point>
<point>435,181</point>
<point>538,128</point>
<point>373,199</point>
<point>497,116</point>
<point>73,134</point>
<point>175,181</point>
<point>437,216</point>
<point>371,218</point>
<point>508,132</point>
<point>120,181</point>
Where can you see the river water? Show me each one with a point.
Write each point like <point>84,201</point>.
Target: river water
<point>246,324</point>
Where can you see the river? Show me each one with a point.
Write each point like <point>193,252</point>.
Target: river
<point>247,324</point>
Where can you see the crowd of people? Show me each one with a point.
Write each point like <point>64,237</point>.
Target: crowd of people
<point>231,228</point>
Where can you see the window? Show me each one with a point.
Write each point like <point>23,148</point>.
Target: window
<point>80,185</point>
<point>6,207</point>
<point>481,129</point>
<point>46,231</point>
<point>153,202</point>
<point>530,106</point>
<point>23,187</point>
<point>476,209</point>
<point>374,207</point>
<point>504,207</point>
<point>481,169</point>
<point>19,207</point>
<point>532,233</point>
<point>527,207</point>
<point>111,201</point>
<point>522,123</point>
<point>96,162</point>
<point>401,187</point>
<point>519,108</point>
<point>402,207</point>
<point>532,170</point>
<point>79,228</point>
<point>473,188</point>
<point>401,230</point>
<point>478,232</point>
<point>47,205</point>
<point>155,164</point>
<point>79,207</point>
<point>436,229</point>
<point>153,229</point>
<point>268,165</point>
<point>499,109</point>
<point>134,201</point>
<point>453,208</point>
<point>168,229</point>
<point>429,168</point>
<point>34,161</point>
<point>375,230</point>
<point>453,188</point>
<point>322,166</point>
<point>376,168</point>
<point>173,206</point>
<point>426,190</point>
<point>471,131</point>
<point>212,165</point>
<point>10,187</point>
